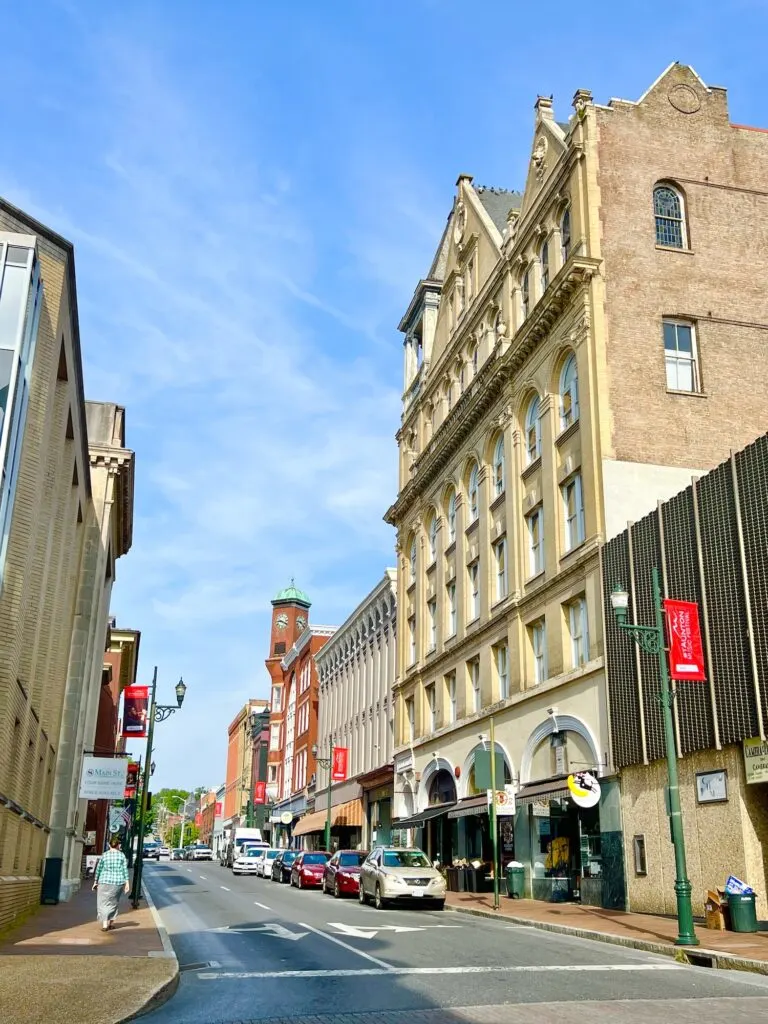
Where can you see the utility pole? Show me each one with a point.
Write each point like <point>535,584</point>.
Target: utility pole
<point>492,813</point>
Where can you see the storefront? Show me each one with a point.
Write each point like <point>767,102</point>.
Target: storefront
<point>346,827</point>
<point>377,790</point>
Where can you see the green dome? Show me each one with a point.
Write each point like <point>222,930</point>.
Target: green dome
<point>292,595</point>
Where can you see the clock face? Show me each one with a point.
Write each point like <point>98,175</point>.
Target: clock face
<point>301,622</point>
<point>281,621</point>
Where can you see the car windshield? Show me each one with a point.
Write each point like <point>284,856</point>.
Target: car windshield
<point>271,854</point>
<point>405,859</point>
<point>253,853</point>
<point>289,858</point>
<point>315,858</point>
<point>351,860</point>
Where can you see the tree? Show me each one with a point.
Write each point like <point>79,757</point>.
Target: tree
<point>171,799</point>
<point>191,834</point>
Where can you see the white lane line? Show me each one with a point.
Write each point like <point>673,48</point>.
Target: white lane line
<point>262,905</point>
<point>389,971</point>
<point>189,870</point>
<point>345,945</point>
<point>204,878</point>
<point>224,888</point>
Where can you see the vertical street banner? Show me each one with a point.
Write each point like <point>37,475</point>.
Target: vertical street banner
<point>339,764</point>
<point>260,793</point>
<point>132,780</point>
<point>135,711</point>
<point>686,652</point>
<point>217,811</point>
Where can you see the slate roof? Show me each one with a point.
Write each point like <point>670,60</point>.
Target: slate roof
<point>498,202</point>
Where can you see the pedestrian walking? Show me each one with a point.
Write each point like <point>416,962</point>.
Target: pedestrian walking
<point>110,880</point>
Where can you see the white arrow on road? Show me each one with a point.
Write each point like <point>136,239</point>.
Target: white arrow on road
<point>368,933</point>
<point>276,930</point>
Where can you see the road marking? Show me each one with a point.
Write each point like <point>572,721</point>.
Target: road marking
<point>345,945</point>
<point>189,870</point>
<point>366,932</point>
<point>204,878</point>
<point>275,930</point>
<point>224,888</point>
<point>262,905</point>
<point>389,971</point>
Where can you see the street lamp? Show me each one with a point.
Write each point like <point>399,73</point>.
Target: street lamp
<point>326,762</point>
<point>157,713</point>
<point>651,640</point>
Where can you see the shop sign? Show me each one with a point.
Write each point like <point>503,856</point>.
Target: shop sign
<point>584,789</point>
<point>339,764</point>
<point>505,801</point>
<point>103,778</point>
<point>135,711</point>
<point>286,818</point>
<point>686,653</point>
<point>483,768</point>
<point>540,808</point>
<point>260,793</point>
<point>756,760</point>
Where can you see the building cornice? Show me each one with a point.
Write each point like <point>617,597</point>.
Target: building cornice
<point>303,641</point>
<point>387,585</point>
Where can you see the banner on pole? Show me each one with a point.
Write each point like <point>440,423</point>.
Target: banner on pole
<point>686,652</point>
<point>132,780</point>
<point>217,811</point>
<point>260,793</point>
<point>339,765</point>
<point>135,711</point>
<point>103,778</point>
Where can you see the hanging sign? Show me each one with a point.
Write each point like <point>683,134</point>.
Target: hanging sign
<point>132,780</point>
<point>756,760</point>
<point>584,789</point>
<point>217,811</point>
<point>135,711</point>
<point>686,653</point>
<point>103,778</point>
<point>505,801</point>
<point>339,765</point>
<point>260,793</point>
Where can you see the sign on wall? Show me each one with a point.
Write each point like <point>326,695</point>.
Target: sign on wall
<point>584,789</point>
<point>260,793</point>
<point>756,760</point>
<point>103,778</point>
<point>339,765</point>
<point>505,800</point>
<point>686,653</point>
<point>135,711</point>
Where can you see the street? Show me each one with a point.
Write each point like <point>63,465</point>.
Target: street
<point>252,950</point>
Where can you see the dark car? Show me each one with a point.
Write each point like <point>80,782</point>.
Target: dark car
<point>281,866</point>
<point>307,870</point>
<point>342,873</point>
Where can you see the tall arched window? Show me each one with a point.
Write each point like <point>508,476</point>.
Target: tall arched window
<point>412,559</point>
<point>474,357</point>
<point>448,396</point>
<point>533,430</point>
<point>451,517</point>
<point>433,538</point>
<point>498,467</point>
<point>544,261</point>
<point>668,211</point>
<point>472,493</point>
<point>565,234</point>
<point>569,393</point>
<point>525,293</point>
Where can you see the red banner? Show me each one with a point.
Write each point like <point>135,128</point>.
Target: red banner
<point>198,819</point>
<point>339,766</point>
<point>260,793</point>
<point>686,653</point>
<point>132,780</point>
<point>217,812</point>
<point>135,711</point>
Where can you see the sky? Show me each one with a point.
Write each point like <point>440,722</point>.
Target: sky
<point>254,190</point>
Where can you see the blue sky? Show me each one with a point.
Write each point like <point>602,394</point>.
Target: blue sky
<point>253,190</point>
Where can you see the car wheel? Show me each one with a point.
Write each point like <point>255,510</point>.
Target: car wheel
<point>299,882</point>
<point>378,900</point>
<point>361,894</point>
<point>336,890</point>
<point>440,905</point>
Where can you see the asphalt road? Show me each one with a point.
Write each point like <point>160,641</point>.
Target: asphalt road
<point>251,950</point>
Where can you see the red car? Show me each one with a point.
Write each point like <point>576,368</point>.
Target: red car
<point>342,873</point>
<point>308,868</point>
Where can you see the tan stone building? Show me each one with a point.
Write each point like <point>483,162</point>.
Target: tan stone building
<point>576,352</point>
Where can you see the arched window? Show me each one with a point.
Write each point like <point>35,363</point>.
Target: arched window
<point>412,559</point>
<point>452,517</point>
<point>433,538</point>
<point>668,211</point>
<point>525,293</point>
<point>544,261</point>
<point>472,493</point>
<point>565,233</point>
<point>462,378</point>
<point>448,396</point>
<point>474,358</point>
<point>498,467</point>
<point>533,430</point>
<point>569,393</point>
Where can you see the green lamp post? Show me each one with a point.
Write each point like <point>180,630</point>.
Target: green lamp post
<point>326,762</point>
<point>651,640</point>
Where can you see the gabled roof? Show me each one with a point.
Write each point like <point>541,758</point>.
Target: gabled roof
<point>497,203</point>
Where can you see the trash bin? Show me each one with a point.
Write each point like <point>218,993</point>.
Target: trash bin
<point>742,908</point>
<point>515,880</point>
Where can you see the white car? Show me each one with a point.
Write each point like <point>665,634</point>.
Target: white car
<point>246,862</point>
<point>201,852</point>
<point>390,875</point>
<point>264,862</point>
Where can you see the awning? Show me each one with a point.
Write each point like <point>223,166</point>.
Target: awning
<point>347,815</point>
<point>314,822</point>
<point>470,805</point>
<point>417,820</point>
<point>552,789</point>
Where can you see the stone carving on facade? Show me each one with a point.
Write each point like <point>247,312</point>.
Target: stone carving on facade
<point>684,98</point>
<point>581,100</point>
<point>539,158</point>
<point>459,221</point>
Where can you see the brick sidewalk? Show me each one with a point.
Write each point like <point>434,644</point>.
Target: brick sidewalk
<point>639,930</point>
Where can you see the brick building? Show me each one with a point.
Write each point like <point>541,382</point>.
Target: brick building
<point>238,784</point>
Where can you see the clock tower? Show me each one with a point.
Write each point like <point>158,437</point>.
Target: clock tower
<point>290,616</point>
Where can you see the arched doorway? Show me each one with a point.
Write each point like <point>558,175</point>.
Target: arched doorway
<point>475,840</point>
<point>438,832</point>
<point>442,788</point>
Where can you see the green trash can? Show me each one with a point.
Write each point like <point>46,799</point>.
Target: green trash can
<point>515,880</point>
<point>743,914</point>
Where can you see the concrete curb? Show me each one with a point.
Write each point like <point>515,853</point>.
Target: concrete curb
<point>161,929</point>
<point>696,956</point>
<point>166,989</point>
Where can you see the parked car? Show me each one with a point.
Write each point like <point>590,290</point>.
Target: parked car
<point>201,852</point>
<point>164,852</point>
<point>389,874</point>
<point>151,851</point>
<point>342,873</point>
<point>281,866</point>
<point>264,861</point>
<point>177,854</point>
<point>246,862</point>
<point>307,870</point>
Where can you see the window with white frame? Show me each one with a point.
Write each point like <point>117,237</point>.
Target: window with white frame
<point>535,523</point>
<point>578,629</point>
<point>271,773</point>
<point>450,688</point>
<point>473,572</point>
<point>410,717</point>
<point>473,669</point>
<point>472,493</point>
<point>544,262</point>
<point>533,430</point>
<point>565,234</point>
<point>569,393</point>
<point>573,511</point>
<point>525,293</point>
<point>412,640</point>
<point>277,698</point>
<point>501,655</point>
<point>412,560</point>
<point>537,634</point>
<point>680,356</point>
<point>668,213</point>
<point>306,676</point>
<point>451,516</point>
<point>429,693</point>
<point>499,474</point>
<point>274,736</point>
<point>450,591</point>
<point>433,538</point>
<point>500,563</point>
<point>432,616</point>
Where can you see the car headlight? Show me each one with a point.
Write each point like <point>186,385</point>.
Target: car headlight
<point>393,879</point>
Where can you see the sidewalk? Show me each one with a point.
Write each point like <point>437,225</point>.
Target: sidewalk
<point>639,931</point>
<point>59,967</point>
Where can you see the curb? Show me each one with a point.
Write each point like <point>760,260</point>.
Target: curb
<point>696,956</point>
<point>168,988</point>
